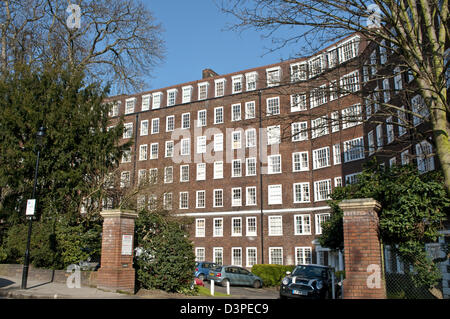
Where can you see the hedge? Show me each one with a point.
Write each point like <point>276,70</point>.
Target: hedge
<point>272,275</point>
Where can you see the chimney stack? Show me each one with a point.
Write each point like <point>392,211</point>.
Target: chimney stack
<point>208,73</point>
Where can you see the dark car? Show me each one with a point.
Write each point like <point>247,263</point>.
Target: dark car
<point>202,269</point>
<point>308,281</point>
<point>235,276</point>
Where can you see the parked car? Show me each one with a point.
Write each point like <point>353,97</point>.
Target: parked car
<point>308,281</point>
<point>202,269</point>
<point>235,276</point>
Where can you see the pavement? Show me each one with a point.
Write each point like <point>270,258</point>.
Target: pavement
<point>10,289</point>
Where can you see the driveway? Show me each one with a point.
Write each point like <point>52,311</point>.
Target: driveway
<point>247,292</point>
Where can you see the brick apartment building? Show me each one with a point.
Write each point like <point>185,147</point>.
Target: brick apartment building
<point>252,156</point>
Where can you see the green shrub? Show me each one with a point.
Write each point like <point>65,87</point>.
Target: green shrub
<point>272,275</point>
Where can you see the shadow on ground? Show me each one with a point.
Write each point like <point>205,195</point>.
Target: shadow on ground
<point>5,282</point>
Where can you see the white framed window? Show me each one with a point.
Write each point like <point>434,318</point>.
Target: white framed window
<point>130,105</point>
<point>203,90</point>
<point>392,162</point>
<point>276,255</point>
<point>353,149</point>
<point>303,255</point>
<point>386,91</point>
<point>319,127</point>
<point>155,126</point>
<point>322,190</point>
<point>186,94</point>
<point>201,118</point>
<point>299,131</point>
<point>334,95</point>
<point>389,130</point>
<point>184,200</point>
<point>250,79</point>
<point>218,115</point>
<point>218,170</point>
<point>236,256</point>
<point>425,157</point>
<point>373,62</point>
<point>171,97</point>
<point>371,143</point>
<point>184,173</point>
<point>348,49</point>
<point>127,130</point>
<point>251,256</point>
<point>218,227</point>
<point>273,76</point>
<point>170,123</point>
<point>142,177</point>
<point>143,151</point>
<point>275,225</point>
<point>250,196</point>
<point>200,254</point>
<point>154,150</point>
<point>299,72</point>
<point>300,161</point>
<point>250,137</point>
<point>115,107</point>
<point>237,83</point>
<point>124,179</point>
<point>350,83</point>
<point>200,227</point>
<point>218,198</point>
<point>167,201</point>
<point>185,146</point>
<point>332,57</point>
<point>157,99</point>
<point>301,192</point>
<point>251,228</point>
<point>126,156</point>
<point>336,154</point>
<point>383,52</point>
<point>351,178</point>
<point>144,127</point>
<point>298,102</point>
<point>218,255</point>
<point>236,112</point>
<point>153,175</point>
<point>405,157</point>
<point>401,120</point>
<point>273,135</point>
<point>236,168</point>
<point>218,142</point>
<point>146,102</point>
<point>338,181</point>
<point>321,157</point>
<point>236,226</point>
<point>201,144</point>
<point>273,106</point>
<point>316,65</point>
<point>250,110</point>
<point>275,194</point>
<point>379,132</point>
<point>168,174</point>
<point>236,140</point>
<point>398,82</point>
<point>302,224</point>
<point>219,86</point>
<point>319,220</point>
<point>352,116</point>
<point>185,120</point>
<point>274,164</point>
<point>169,149</point>
<point>250,166</point>
<point>201,171</point>
<point>200,199</point>
<point>419,107</point>
<point>335,122</point>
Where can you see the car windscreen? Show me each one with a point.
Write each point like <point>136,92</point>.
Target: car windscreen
<point>308,271</point>
<point>218,269</point>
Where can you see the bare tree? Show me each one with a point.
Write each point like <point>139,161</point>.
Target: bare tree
<point>115,41</point>
<point>415,31</point>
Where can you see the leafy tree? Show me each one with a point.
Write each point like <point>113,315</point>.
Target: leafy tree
<point>166,259</point>
<point>413,209</point>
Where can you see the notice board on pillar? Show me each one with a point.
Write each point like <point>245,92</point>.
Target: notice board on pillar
<point>127,245</point>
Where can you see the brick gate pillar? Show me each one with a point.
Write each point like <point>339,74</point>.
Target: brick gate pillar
<point>116,265</point>
<point>362,250</point>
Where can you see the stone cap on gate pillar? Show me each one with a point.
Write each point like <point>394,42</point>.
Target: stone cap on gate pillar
<point>121,213</point>
<point>359,205</point>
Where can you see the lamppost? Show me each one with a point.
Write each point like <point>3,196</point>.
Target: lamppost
<point>39,139</point>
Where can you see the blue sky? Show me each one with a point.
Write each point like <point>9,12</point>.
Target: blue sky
<point>195,39</point>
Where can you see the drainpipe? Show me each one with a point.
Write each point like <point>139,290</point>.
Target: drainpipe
<point>261,197</point>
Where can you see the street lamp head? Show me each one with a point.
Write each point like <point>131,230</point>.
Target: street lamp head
<point>40,135</point>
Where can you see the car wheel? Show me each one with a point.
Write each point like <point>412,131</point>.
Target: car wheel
<point>256,284</point>
<point>225,282</point>
<point>201,277</point>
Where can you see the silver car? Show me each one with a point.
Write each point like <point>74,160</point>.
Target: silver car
<point>235,276</point>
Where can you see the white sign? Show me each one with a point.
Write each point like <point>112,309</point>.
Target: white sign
<point>31,204</point>
<point>127,245</point>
